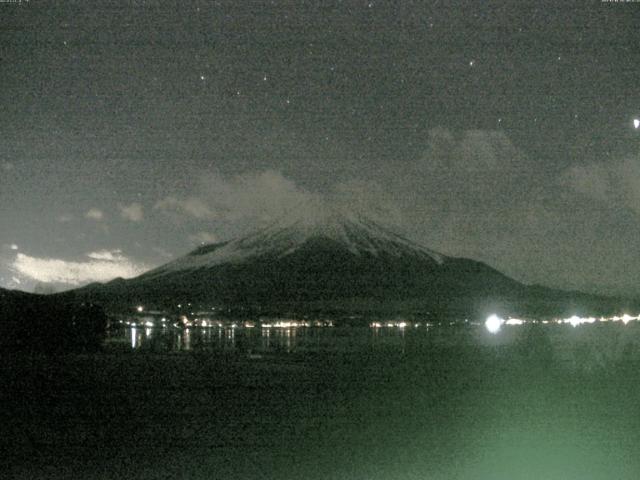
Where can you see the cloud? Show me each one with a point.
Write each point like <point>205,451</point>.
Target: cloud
<point>475,194</point>
<point>190,206</point>
<point>237,203</point>
<point>110,255</point>
<point>613,183</point>
<point>254,197</point>
<point>203,238</point>
<point>13,246</point>
<point>65,218</point>
<point>367,197</point>
<point>98,266</point>
<point>133,212</point>
<point>475,169</point>
<point>94,214</point>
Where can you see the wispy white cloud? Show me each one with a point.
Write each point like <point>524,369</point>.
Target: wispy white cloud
<point>98,266</point>
<point>133,212</point>
<point>191,206</point>
<point>110,255</point>
<point>249,199</point>
<point>94,214</point>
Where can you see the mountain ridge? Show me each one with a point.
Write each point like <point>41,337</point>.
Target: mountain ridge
<point>333,264</point>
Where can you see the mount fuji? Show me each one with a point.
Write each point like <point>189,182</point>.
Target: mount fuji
<point>321,264</point>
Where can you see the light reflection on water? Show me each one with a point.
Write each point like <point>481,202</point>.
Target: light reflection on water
<point>589,346</point>
<point>282,340</point>
<point>300,336</point>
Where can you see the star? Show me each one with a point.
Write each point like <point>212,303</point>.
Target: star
<point>202,77</point>
<point>472,63</point>
<point>636,123</point>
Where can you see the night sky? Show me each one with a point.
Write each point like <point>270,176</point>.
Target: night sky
<point>133,131</point>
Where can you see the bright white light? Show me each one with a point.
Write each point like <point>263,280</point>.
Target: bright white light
<point>636,123</point>
<point>140,308</point>
<point>626,318</point>
<point>574,321</point>
<point>493,323</point>
<point>514,321</point>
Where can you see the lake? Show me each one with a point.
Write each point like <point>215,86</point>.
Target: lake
<point>439,402</point>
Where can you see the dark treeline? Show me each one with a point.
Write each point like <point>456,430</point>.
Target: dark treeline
<point>39,323</point>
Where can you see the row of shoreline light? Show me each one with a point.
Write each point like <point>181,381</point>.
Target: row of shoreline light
<point>184,322</point>
<point>494,323</point>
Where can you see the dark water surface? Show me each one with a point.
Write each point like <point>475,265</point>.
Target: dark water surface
<point>531,402</point>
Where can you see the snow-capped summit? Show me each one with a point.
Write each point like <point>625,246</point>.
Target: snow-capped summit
<point>342,231</point>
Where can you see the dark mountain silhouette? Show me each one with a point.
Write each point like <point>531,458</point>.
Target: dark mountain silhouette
<point>334,263</point>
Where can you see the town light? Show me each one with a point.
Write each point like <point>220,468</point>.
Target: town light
<point>493,323</point>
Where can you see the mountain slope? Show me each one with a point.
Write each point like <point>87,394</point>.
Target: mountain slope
<point>332,263</point>
<point>320,261</point>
